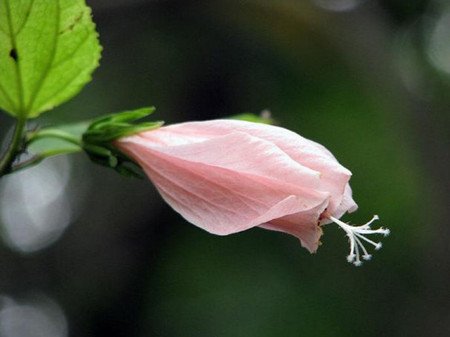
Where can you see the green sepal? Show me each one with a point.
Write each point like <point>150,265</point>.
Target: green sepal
<point>111,157</point>
<point>98,137</point>
<point>112,132</point>
<point>114,126</point>
<point>122,117</point>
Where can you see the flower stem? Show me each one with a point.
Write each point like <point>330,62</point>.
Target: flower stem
<point>54,133</point>
<point>7,166</point>
<point>13,149</point>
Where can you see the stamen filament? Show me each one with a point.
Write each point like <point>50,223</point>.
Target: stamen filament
<point>356,234</point>
<point>375,244</point>
<point>351,256</point>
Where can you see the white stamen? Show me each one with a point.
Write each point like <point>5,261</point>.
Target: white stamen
<point>355,234</point>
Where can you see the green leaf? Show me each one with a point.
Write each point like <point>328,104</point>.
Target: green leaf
<point>48,51</point>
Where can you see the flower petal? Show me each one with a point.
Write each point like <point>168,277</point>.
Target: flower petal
<point>221,200</point>
<point>309,154</point>
<point>347,204</point>
<point>309,232</point>
<point>243,153</point>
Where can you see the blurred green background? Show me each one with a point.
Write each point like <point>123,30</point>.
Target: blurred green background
<point>86,252</point>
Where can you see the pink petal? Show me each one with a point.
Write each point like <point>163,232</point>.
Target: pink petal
<point>245,154</point>
<point>309,232</point>
<point>347,204</point>
<point>227,176</point>
<point>309,154</point>
<point>224,192</point>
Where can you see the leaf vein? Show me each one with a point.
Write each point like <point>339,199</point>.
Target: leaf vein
<point>63,87</point>
<point>50,63</point>
<point>26,19</point>
<point>75,50</point>
<point>16,64</point>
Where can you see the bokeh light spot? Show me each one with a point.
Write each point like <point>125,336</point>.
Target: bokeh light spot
<point>39,317</point>
<point>439,43</point>
<point>34,205</point>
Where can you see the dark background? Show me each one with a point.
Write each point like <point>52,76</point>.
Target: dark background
<point>86,252</point>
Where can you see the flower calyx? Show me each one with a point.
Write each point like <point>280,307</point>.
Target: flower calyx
<point>98,137</point>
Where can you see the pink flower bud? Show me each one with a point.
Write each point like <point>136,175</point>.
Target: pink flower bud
<point>226,176</point>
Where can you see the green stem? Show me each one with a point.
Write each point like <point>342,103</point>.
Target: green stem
<point>13,149</point>
<point>7,166</point>
<point>54,133</point>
